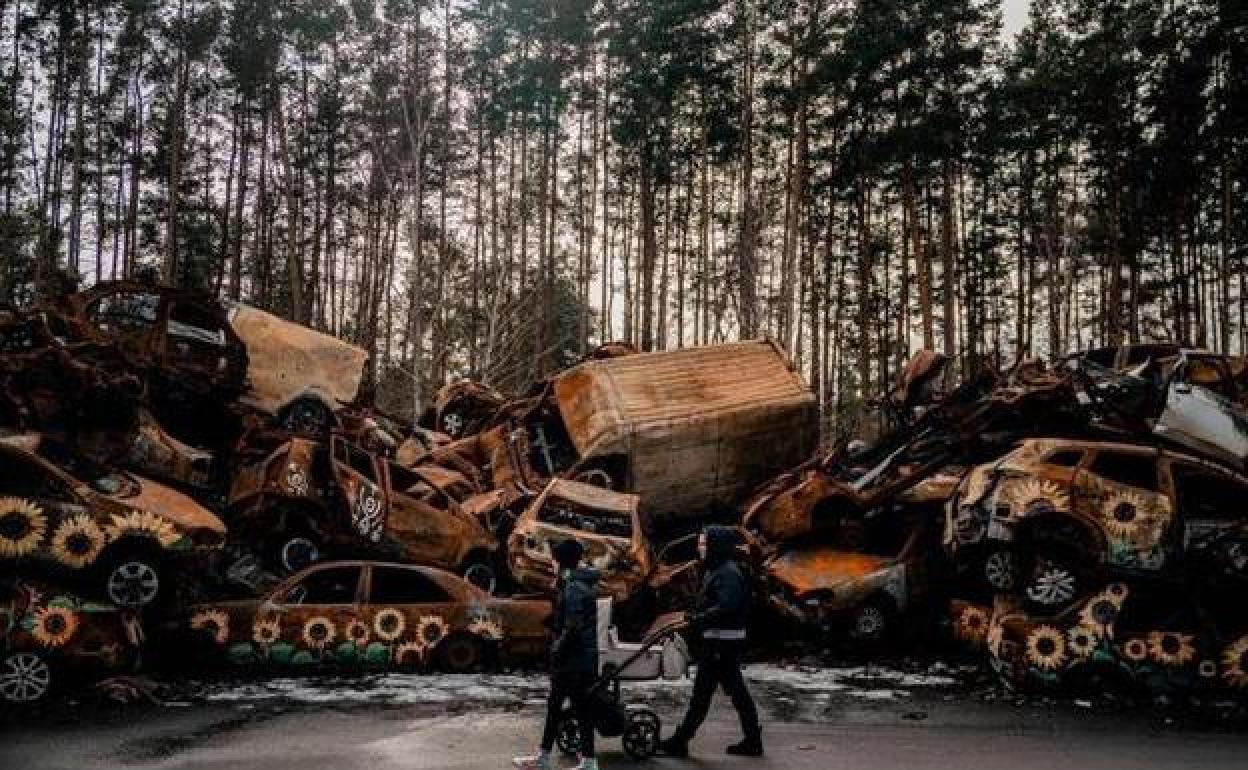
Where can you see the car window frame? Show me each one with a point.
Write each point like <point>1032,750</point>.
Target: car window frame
<point>278,597</point>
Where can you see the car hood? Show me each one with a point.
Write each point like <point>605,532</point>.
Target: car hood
<point>173,505</point>
<point>810,570</point>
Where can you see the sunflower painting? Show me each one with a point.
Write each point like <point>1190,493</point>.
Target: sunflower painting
<point>358,632</point>
<point>409,654</point>
<point>1126,513</point>
<point>1046,648</point>
<point>1235,663</point>
<point>54,626</point>
<point>486,628</point>
<point>431,630</point>
<point>22,527</point>
<point>1100,614</point>
<point>1170,648</point>
<point>144,524</point>
<point>318,632</point>
<point>77,542</point>
<point>265,632</point>
<point>1033,493</point>
<point>972,624</point>
<point>996,635</point>
<point>389,624</point>
<point>1135,650</point>
<point>1081,641</point>
<point>215,623</point>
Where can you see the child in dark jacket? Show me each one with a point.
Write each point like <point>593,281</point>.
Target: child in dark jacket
<point>720,617</point>
<point>573,657</point>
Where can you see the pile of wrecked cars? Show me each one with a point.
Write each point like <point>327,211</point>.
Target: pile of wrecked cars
<point>182,473</point>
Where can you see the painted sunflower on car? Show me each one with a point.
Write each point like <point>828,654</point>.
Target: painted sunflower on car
<point>49,635</point>
<point>118,533</point>
<point>358,613</point>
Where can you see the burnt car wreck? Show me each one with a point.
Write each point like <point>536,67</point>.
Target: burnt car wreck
<point>1068,521</point>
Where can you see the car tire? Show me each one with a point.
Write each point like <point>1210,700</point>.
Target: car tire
<point>133,577</point>
<point>25,677</point>
<point>297,551</point>
<point>460,654</point>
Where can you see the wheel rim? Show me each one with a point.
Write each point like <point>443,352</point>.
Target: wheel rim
<point>569,738</point>
<point>869,623</point>
<point>1052,585</point>
<point>25,677</point>
<point>481,576</point>
<point>999,570</point>
<point>641,740</point>
<point>133,584</point>
<point>299,552</point>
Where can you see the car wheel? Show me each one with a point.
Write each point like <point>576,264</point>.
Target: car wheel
<point>641,737</point>
<point>24,677</point>
<point>869,623</point>
<point>307,417</point>
<point>1052,584</point>
<point>1001,570</point>
<point>132,580</point>
<point>460,654</point>
<point>298,552</point>
<point>569,736</point>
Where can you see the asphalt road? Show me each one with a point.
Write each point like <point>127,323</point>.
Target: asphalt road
<point>807,727</point>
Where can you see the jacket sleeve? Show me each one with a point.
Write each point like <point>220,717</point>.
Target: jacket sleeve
<point>710,607</point>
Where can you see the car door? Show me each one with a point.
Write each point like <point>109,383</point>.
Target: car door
<point>1213,517</point>
<point>1201,412</point>
<point>35,502</point>
<point>318,612</point>
<point>426,533</point>
<point>1117,490</point>
<point>410,613</point>
<point>359,478</point>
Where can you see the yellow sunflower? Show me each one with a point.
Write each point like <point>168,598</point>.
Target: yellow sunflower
<point>144,524</point>
<point>1046,648</point>
<point>1033,491</point>
<point>357,631</point>
<point>389,624</point>
<point>265,632</point>
<point>1125,513</point>
<point>1235,663</point>
<point>1100,614</point>
<point>22,527</point>
<point>486,628</point>
<point>77,541</point>
<point>409,654</point>
<point>54,626</point>
<point>1081,641</point>
<point>319,631</point>
<point>1135,650</point>
<point>1170,648</point>
<point>430,630</point>
<point>213,622</point>
<point>972,624</point>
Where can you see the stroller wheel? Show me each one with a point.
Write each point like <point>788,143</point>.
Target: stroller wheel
<point>568,739</point>
<point>641,739</point>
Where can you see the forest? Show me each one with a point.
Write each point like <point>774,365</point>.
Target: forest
<point>489,188</point>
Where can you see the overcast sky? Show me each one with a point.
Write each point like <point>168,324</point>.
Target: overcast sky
<point>1013,16</point>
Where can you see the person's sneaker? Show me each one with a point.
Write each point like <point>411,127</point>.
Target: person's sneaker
<point>586,763</point>
<point>750,747</point>
<point>674,747</point>
<point>538,761</point>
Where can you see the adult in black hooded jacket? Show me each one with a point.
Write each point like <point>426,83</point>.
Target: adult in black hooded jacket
<point>720,618</point>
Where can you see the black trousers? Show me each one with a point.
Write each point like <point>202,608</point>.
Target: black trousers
<point>574,687</point>
<point>719,665</point>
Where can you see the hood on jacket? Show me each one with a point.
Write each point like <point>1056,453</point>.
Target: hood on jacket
<point>721,545</point>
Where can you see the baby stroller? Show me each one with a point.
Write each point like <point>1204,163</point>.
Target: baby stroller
<point>636,725</point>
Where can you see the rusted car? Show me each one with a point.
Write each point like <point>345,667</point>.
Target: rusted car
<point>122,534</point>
<point>360,613</point>
<point>1054,516</point>
<point>299,375</point>
<point>49,636</point>
<point>681,429</point>
<point>863,581</point>
<point>308,499</point>
<point>462,407</point>
<point>606,523</point>
<point>1117,634</point>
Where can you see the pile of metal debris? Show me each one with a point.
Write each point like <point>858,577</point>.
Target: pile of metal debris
<point>182,474</point>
